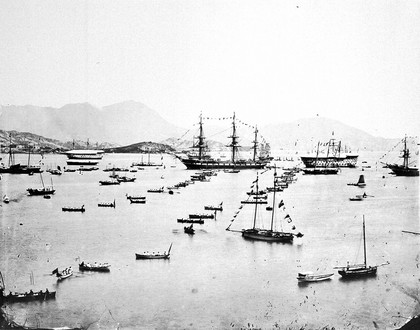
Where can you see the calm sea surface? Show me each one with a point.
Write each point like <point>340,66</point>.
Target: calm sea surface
<point>214,279</point>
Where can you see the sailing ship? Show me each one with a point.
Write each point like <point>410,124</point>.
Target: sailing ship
<point>333,158</point>
<point>359,270</point>
<point>268,235</point>
<point>324,167</point>
<point>148,163</point>
<point>404,169</point>
<point>153,255</point>
<point>202,160</point>
<point>41,191</point>
<point>14,168</point>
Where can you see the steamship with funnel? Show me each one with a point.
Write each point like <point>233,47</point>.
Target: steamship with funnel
<point>201,160</point>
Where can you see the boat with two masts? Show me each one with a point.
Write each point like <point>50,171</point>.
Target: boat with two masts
<point>41,191</point>
<point>268,235</point>
<point>17,168</point>
<point>201,160</point>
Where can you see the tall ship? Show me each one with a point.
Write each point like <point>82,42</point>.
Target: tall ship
<point>84,157</point>
<point>18,168</point>
<point>405,169</point>
<point>332,156</point>
<point>202,160</point>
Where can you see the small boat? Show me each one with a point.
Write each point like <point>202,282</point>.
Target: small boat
<point>269,208</point>
<point>158,190</point>
<point>189,230</point>
<point>47,196</point>
<point>28,296</point>
<point>125,179</point>
<point>255,201</point>
<point>65,273</point>
<point>112,204</point>
<point>74,209</point>
<point>55,171</point>
<point>359,270</point>
<point>137,201</point>
<point>189,220</point>
<point>86,266</point>
<point>358,197</point>
<point>231,171</point>
<point>276,188</point>
<point>259,192</point>
<point>70,170</point>
<point>311,277</point>
<point>6,199</point>
<point>153,255</point>
<point>135,197</point>
<point>201,216</point>
<point>361,183</point>
<point>214,208</point>
<point>109,182</point>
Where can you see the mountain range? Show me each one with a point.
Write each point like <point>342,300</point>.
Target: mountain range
<point>132,122</point>
<point>122,123</point>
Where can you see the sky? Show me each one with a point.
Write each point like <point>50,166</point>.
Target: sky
<point>269,61</point>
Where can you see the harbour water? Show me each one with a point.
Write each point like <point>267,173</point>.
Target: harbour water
<point>214,279</point>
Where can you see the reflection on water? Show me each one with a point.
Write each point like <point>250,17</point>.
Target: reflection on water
<point>215,278</point>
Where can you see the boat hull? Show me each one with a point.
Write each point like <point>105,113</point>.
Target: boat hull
<point>151,256</point>
<point>28,297</point>
<point>344,161</point>
<point>315,278</point>
<point>196,164</point>
<point>358,272</point>
<point>94,268</point>
<point>40,192</point>
<point>320,171</point>
<point>399,170</point>
<point>267,236</point>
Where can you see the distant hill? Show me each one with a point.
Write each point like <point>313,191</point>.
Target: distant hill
<point>304,134</point>
<point>22,140</point>
<point>121,123</point>
<point>142,147</point>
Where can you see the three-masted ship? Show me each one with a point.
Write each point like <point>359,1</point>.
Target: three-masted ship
<point>404,169</point>
<point>202,160</point>
<point>334,157</point>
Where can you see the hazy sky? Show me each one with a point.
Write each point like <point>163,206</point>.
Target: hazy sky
<point>270,61</point>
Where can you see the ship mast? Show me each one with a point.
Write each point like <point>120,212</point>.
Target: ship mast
<point>406,153</point>
<point>255,142</point>
<point>200,144</point>
<point>274,198</point>
<point>256,203</point>
<point>234,144</point>
<point>364,241</point>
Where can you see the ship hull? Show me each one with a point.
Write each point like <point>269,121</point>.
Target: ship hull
<point>345,161</point>
<point>267,236</point>
<point>399,170</point>
<point>358,272</point>
<point>195,164</point>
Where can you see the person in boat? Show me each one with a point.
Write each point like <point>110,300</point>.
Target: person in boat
<point>30,293</point>
<point>364,195</point>
<point>46,291</point>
